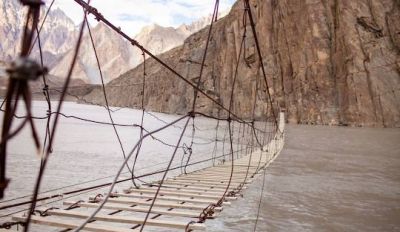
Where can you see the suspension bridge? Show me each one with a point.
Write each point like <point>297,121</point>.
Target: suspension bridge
<point>181,202</point>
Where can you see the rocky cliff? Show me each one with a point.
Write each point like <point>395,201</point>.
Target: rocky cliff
<point>328,62</point>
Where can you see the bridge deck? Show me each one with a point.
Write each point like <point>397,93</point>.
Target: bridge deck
<point>180,201</point>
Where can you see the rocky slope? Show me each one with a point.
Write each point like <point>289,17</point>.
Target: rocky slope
<point>327,62</point>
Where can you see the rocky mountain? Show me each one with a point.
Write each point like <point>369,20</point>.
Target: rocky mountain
<point>115,54</point>
<point>158,39</point>
<point>57,35</point>
<point>58,39</point>
<point>327,62</point>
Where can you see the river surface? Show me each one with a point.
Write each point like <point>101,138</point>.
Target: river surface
<point>325,179</point>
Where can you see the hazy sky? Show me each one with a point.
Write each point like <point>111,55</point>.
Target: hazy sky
<point>132,15</point>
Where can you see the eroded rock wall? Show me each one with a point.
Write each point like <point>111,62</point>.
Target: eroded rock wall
<point>327,62</point>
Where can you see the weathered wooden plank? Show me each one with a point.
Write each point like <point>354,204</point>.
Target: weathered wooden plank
<point>192,185</point>
<point>199,181</point>
<point>185,190</point>
<point>124,207</point>
<point>221,179</point>
<point>48,221</point>
<point>200,188</point>
<point>197,195</point>
<point>128,220</point>
<point>168,198</point>
<point>161,204</point>
<point>222,172</point>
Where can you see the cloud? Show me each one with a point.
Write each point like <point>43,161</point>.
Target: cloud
<point>132,15</point>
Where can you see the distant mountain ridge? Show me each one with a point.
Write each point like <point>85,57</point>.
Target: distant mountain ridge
<point>59,35</point>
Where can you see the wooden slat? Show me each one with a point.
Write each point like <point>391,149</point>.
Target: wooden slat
<point>205,183</point>
<point>197,195</point>
<point>200,188</point>
<point>222,172</point>
<point>161,204</point>
<point>125,207</point>
<point>193,181</point>
<point>223,177</point>
<point>185,190</point>
<point>128,220</point>
<point>168,198</point>
<point>70,224</point>
<point>200,179</point>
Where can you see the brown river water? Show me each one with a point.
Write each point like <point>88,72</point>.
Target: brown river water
<point>325,179</point>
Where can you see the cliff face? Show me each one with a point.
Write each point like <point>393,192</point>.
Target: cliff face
<point>327,62</point>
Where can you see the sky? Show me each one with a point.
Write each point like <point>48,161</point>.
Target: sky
<point>132,15</point>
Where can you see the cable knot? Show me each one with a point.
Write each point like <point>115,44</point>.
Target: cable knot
<point>191,114</point>
<point>44,213</point>
<point>74,205</point>
<point>34,3</point>
<point>7,225</point>
<point>96,199</point>
<point>26,69</point>
<point>207,212</point>
<point>231,194</point>
<point>187,229</point>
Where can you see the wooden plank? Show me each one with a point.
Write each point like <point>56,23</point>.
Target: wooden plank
<point>197,195</point>
<point>222,172</point>
<point>125,207</point>
<point>209,182</point>
<point>222,177</point>
<point>183,190</point>
<point>234,179</point>
<point>167,198</point>
<point>128,220</point>
<point>222,182</point>
<point>219,176</point>
<point>213,174</point>
<point>70,224</point>
<point>199,185</point>
<point>161,204</point>
<point>200,188</point>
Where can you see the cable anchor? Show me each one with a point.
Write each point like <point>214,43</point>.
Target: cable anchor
<point>26,69</point>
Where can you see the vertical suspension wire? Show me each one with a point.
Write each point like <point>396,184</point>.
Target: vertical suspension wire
<point>54,126</point>
<point>164,175</point>
<point>252,24</point>
<point>46,95</point>
<point>18,87</point>
<point>141,122</point>
<point>229,120</point>
<point>195,93</point>
<point>103,87</point>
